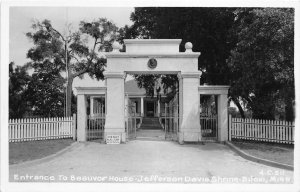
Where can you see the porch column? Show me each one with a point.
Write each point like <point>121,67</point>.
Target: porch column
<point>189,102</point>
<point>126,105</point>
<point>91,105</point>
<point>114,121</point>
<point>222,117</point>
<point>158,108</point>
<point>142,106</point>
<point>81,117</point>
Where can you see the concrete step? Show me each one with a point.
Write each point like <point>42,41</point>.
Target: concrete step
<point>151,128</point>
<point>150,123</point>
<point>151,138</point>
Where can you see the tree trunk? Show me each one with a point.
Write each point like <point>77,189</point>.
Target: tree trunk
<point>69,97</point>
<point>237,103</point>
<point>289,110</point>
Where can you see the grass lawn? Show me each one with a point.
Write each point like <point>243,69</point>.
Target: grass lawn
<point>30,150</point>
<point>281,153</point>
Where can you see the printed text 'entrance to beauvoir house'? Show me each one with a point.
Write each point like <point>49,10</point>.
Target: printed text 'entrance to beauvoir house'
<point>153,56</point>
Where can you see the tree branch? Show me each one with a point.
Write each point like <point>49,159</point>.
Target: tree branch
<point>58,33</point>
<point>95,43</point>
<point>69,52</point>
<point>79,72</point>
<point>89,61</point>
<point>237,103</point>
<point>74,58</point>
<point>92,57</point>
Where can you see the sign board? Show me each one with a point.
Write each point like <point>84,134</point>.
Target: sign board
<point>113,139</point>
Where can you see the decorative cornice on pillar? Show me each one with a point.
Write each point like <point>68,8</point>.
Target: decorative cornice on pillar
<point>114,75</point>
<point>150,55</point>
<point>213,89</point>
<point>189,75</point>
<point>152,41</point>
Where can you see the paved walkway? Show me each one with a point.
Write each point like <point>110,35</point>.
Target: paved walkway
<point>151,161</point>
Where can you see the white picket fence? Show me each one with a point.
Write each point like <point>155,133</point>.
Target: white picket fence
<point>261,130</point>
<point>41,128</point>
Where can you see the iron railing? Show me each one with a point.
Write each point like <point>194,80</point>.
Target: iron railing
<point>95,128</point>
<point>170,121</point>
<point>209,126</point>
<point>133,121</point>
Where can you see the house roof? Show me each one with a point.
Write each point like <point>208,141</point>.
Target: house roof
<point>131,87</point>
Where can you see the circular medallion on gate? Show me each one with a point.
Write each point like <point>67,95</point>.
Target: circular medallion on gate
<point>152,63</point>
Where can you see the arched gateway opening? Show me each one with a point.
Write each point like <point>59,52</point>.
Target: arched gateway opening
<point>152,56</point>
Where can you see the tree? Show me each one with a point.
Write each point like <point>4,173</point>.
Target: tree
<point>207,28</point>
<point>18,83</point>
<point>237,46</point>
<point>74,53</point>
<point>45,93</point>
<point>155,83</point>
<point>262,65</point>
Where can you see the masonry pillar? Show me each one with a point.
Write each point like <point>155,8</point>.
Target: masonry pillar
<point>222,118</point>
<point>81,117</point>
<point>114,121</point>
<point>189,101</point>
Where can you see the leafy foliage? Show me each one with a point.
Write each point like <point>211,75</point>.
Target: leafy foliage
<point>75,53</point>
<point>206,28</point>
<point>18,83</point>
<point>148,82</point>
<point>46,94</point>
<point>262,65</point>
<point>249,48</point>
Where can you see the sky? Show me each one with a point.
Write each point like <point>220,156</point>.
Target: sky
<point>21,18</point>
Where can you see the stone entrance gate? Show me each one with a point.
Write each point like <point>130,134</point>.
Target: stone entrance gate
<point>153,56</point>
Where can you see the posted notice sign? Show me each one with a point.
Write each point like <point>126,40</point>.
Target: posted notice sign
<point>113,139</point>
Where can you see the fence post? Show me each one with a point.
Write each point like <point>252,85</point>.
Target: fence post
<point>10,130</point>
<point>134,120</point>
<point>229,128</point>
<point>293,132</point>
<point>74,127</point>
<point>165,120</point>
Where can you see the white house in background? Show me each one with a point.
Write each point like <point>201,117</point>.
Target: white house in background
<point>140,104</point>
<point>145,106</point>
